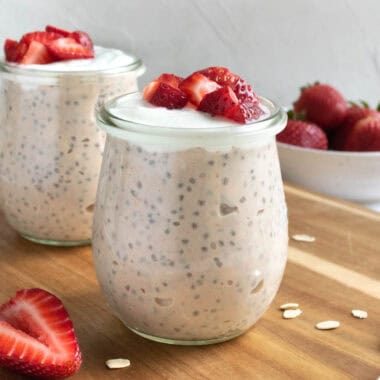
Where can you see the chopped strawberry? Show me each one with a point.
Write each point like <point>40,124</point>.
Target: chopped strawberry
<point>304,134</point>
<point>82,38</point>
<point>37,53</point>
<point>322,105</point>
<point>42,37</point>
<point>244,91</point>
<point>68,48</point>
<point>364,135</point>
<point>62,32</point>
<point>196,86</point>
<point>37,336</point>
<point>218,102</point>
<point>10,50</point>
<point>245,112</point>
<point>171,79</point>
<point>220,75</point>
<point>167,96</point>
<point>150,89</point>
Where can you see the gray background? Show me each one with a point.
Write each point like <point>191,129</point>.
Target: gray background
<point>277,45</point>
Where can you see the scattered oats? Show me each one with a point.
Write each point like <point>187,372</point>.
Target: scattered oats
<point>117,363</point>
<point>303,237</point>
<point>327,325</point>
<point>289,305</point>
<point>291,313</point>
<point>361,314</point>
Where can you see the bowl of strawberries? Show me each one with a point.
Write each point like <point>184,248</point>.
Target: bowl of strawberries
<point>332,146</point>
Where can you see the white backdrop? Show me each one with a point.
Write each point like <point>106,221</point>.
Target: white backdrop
<point>278,45</point>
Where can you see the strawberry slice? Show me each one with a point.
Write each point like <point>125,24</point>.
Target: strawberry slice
<point>244,91</point>
<point>196,86</point>
<point>218,102</point>
<point>10,50</point>
<point>68,48</point>
<point>82,38</point>
<point>36,53</point>
<point>163,95</point>
<point>37,336</point>
<point>54,29</point>
<point>42,37</point>
<point>220,75</point>
<point>170,79</point>
<point>244,112</point>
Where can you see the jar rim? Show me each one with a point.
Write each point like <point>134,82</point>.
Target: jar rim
<point>116,126</point>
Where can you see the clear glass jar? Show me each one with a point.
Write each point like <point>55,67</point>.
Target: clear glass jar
<point>190,227</point>
<point>51,149</point>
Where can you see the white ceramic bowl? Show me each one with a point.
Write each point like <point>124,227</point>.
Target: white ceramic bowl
<point>354,176</point>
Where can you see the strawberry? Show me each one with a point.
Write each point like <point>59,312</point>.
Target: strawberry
<point>10,50</point>
<point>322,105</point>
<point>244,91</point>
<point>244,112</point>
<point>220,75</point>
<point>196,86</point>
<point>164,95</point>
<point>303,133</point>
<point>171,79</point>
<point>37,337</point>
<point>353,115</point>
<point>42,37</point>
<point>218,102</point>
<point>364,135</point>
<point>68,48</point>
<point>82,38</point>
<point>61,32</point>
<point>37,53</point>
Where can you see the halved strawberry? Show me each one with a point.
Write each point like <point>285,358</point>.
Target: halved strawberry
<point>218,102</point>
<point>37,53</point>
<point>82,38</point>
<point>68,48</point>
<point>10,50</point>
<point>244,112</point>
<point>196,86</point>
<point>62,32</point>
<point>171,79</point>
<point>37,336</point>
<point>42,37</point>
<point>220,75</point>
<point>164,95</point>
<point>244,91</point>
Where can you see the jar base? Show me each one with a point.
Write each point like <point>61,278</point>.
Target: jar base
<point>180,342</point>
<point>57,243</point>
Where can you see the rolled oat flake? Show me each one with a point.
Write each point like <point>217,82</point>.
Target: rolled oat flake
<point>303,237</point>
<point>117,363</point>
<point>361,314</point>
<point>327,325</point>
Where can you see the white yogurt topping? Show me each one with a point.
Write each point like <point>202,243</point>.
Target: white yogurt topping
<point>105,59</point>
<point>135,109</point>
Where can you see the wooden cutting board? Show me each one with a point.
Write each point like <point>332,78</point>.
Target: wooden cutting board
<point>339,272</point>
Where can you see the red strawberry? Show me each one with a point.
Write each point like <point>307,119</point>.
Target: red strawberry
<point>196,86</point>
<point>218,102</point>
<point>171,79</point>
<point>244,112</point>
<point>220,75</point>
<point>163,95</point>
<point>364,135</point>
<point>353,115</point>
<point>244,91</point>
<point>82,38</point>
<point>37,337</point>
<point>303,133</point>
<point>68,48</point>
<point>42,37</point>
<point>62,32</point>
<point>10,50</point>
<point>37,53</point>
<point>322,105</point>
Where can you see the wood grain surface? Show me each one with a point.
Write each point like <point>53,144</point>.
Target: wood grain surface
<point>339,272</point>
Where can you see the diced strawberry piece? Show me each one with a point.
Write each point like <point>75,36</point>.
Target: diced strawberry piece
<point>82,38</point>
<point>244,91</point>
<point>68,48</point>
<point>170,79</point>
<point>10,50</point>
<point>42,37</point>
<point>196,86</point>
<point>244,112</point>
<point>220,75</point>
<point>150,89</point>
<point>62,32</point>
<point>167,96</point>
<point>37,53</point>
<point>218,102</point>
<point>37,336</point>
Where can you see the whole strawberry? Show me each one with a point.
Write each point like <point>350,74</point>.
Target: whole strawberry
<point>353,115</point>
<point>304,134</point>
<point>364,135</point>
<point>322,105</point>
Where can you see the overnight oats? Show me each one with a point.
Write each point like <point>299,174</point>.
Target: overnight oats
<point>50,147</point>
<point>190,227</point>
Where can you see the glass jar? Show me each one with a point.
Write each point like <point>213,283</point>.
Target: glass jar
<point>51,149</point>
<point>190,227</point>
